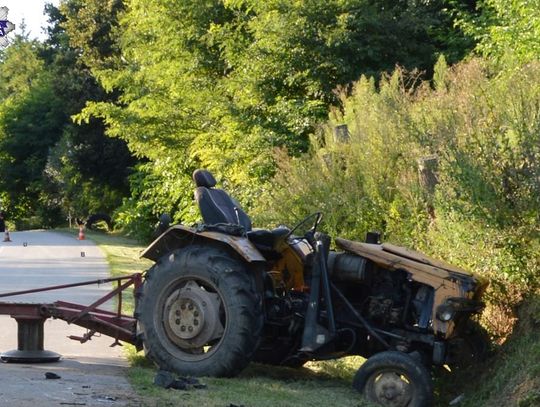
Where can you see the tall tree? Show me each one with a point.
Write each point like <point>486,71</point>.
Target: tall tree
<point>507,31</point>
<point>90,168</point>
<point>222,83</point>
<point>31,119</point>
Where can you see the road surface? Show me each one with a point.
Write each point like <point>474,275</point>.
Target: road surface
<point>92,374</point>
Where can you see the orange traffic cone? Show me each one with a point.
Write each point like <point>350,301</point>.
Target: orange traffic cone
<point>6,237</point>
<point>81,232</point>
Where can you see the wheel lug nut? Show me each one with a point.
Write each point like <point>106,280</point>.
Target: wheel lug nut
<point>190,307</point>
<point>177,313</point>
<point>183,328</point>
<point>190,329</point>
<point>177,322</point>
<point>195,322</point>
<point>183,306</point>
<point>195,313</point>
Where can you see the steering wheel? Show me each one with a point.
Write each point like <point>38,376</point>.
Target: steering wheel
<point>315,217</point>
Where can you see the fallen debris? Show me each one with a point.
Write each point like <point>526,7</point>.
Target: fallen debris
<point>457,400</point>
<point>167,380</point>
<point>106,399</point>
<point>52,376</point>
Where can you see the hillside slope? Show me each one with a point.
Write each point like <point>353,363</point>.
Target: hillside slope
<point>511,377</point>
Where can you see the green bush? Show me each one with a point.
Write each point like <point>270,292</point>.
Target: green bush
<point>483,212</point>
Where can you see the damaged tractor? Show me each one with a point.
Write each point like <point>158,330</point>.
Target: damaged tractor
<point>222,294</point>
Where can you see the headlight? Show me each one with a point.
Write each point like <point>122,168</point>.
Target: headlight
<point>445,312</point>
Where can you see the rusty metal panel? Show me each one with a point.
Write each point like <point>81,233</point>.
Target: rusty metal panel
<point>422,258</point>
<point>180,236</point>
<point>240,244</point>
<point>442,281</point>
<point>432,274</point>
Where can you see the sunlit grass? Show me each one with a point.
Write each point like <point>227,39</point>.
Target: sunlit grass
<point>260,386</point>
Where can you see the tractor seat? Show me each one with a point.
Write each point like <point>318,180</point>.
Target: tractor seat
<point>267,240</point>
<point>216,206</point>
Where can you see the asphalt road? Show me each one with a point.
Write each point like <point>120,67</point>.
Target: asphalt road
<point>92,374</point>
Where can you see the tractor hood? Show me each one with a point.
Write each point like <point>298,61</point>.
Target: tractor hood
<point>422,267</point>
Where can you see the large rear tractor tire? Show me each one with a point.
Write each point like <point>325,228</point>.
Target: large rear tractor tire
<point>394,379</point>
<point>199,313</point>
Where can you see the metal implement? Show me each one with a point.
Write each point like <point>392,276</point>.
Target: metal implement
<point>30,319</point>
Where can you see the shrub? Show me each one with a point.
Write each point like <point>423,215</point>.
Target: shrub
<point>482,214</point>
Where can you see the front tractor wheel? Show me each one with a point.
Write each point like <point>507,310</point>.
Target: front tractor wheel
<point>394,379</point>
<point>199,313</point>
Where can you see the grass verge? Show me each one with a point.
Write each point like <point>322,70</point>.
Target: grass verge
<point>123,257</point>
<point>262,386</point>
<point>511,377</point>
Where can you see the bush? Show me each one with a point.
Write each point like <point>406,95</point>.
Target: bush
<point>482,214</point>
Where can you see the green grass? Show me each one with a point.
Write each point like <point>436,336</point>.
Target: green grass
<point>262,386</point>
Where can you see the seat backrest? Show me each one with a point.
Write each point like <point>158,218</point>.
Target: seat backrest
<point>216,205</point>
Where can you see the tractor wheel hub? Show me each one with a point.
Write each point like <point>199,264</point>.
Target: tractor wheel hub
<point>191,317</point>
<point>393,390</point>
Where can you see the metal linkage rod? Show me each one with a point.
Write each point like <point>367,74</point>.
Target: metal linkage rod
<point>132,277</point>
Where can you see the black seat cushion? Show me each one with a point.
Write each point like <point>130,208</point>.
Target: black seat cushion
<point>267,239</point>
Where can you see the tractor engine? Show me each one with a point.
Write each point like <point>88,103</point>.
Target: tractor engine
<point>382,296</point>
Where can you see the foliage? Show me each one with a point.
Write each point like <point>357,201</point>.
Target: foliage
<point>50,166</point>
<point>89,168</point>
<point>226,82</point>
<point>483,213</point>
<point>92,29</point>
<point>507,31</point>
<point>30,122</point>
<point>362,183</point>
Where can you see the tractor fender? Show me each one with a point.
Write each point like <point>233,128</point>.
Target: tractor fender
<point>179,236</point>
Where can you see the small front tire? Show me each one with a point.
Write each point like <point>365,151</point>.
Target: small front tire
<point>394,379</point>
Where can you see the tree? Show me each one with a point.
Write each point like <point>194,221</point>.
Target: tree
<point>221,84</point>
<point>90,169</point>
<point>30,124</point>
<point>507,31</point>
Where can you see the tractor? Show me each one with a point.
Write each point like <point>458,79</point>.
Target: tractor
<point>222,294</point>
